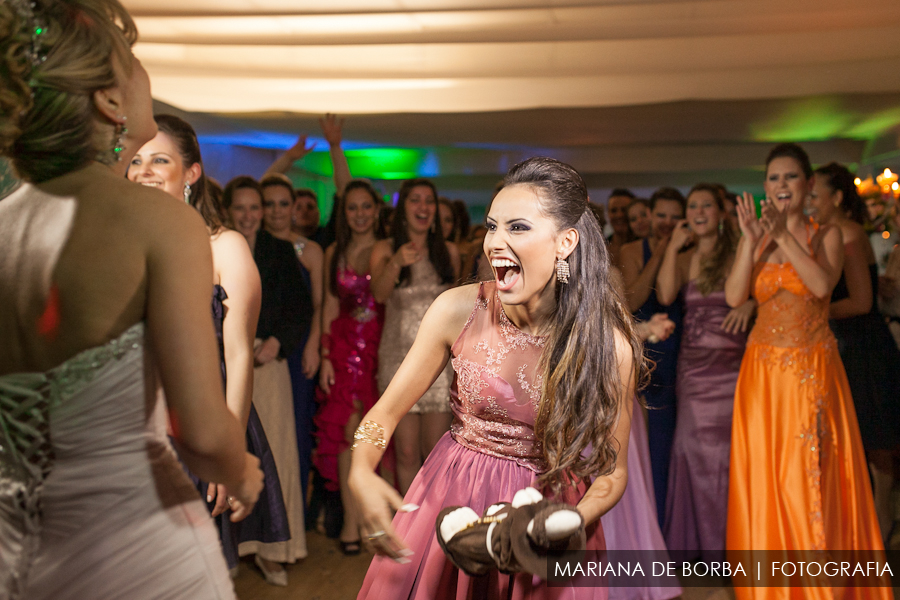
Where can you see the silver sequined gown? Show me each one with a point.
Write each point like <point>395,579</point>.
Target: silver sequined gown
<point>403,314</point>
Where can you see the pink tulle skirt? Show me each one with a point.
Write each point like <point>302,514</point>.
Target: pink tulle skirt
<point>454,475</point>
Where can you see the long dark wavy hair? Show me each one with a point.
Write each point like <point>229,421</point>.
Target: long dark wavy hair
<point>185,138</point>
<point>714,267</point>
<point>839,178</point>
<point>342,232</point>
<point>581,386</point>
<point>437,248</point>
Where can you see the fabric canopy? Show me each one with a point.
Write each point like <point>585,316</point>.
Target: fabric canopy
<point>420,56</point>
<point>616,87</point>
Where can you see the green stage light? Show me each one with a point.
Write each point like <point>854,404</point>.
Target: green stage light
<point>371,163</point>
<point>875,125</point>
<point>814,119</point>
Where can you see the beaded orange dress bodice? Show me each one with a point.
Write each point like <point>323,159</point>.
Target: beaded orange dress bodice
<point>789,315</point>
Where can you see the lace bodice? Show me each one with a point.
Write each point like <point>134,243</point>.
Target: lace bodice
<point>789,315</point>
<point>497,389</point>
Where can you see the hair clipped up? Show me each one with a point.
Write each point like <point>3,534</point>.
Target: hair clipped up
<point>47,115</point>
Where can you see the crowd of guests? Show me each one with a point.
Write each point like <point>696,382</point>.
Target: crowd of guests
<point>335,325</point>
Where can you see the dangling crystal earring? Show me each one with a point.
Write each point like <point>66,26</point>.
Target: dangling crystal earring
<point>721,226</point>
<point>562,271</point>
<point>121,130</point>
<point>187,193</point>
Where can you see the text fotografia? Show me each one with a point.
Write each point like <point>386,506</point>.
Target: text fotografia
<point>743,569</point>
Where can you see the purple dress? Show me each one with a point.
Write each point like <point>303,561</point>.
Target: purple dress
<point>631,524</point>
<point>488,455</point>
<point>708,365</point>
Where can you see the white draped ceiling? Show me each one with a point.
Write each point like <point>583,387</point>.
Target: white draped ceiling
<point>590,59</point>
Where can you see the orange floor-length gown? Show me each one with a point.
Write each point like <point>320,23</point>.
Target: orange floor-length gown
<point>798,478</point>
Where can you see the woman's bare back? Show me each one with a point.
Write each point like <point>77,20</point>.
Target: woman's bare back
<point>75,253</point>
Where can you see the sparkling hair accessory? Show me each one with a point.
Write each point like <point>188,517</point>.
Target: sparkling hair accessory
<point>27,11</point>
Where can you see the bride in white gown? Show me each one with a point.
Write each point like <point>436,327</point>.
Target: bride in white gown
<point>104,296</point>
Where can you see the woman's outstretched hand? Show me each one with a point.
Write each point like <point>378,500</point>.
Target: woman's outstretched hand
<point>407,254</point>
<point>332,129</point>
<point>377,502</point>
<point>299,149</point>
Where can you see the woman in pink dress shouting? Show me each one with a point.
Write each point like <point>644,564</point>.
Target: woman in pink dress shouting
<point>545,359</point>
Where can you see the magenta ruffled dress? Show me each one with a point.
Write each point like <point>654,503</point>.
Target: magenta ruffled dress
<point>355,335</point>
<point>488,455</point>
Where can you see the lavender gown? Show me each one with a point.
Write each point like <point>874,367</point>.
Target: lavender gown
<point>488,455</point>
<point>631,525</point>
<point>708,365</point>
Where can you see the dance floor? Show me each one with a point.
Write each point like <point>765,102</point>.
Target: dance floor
<point>325,574</point>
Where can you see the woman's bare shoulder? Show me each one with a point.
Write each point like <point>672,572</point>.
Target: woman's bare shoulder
<point>148,212</point>
<point>853,232</point>
<point>452,308</point>
<point>229,240</point>
<point>457,303</point>
<point>314,249</point>
<point>383,246</point>
<point>631,247</point>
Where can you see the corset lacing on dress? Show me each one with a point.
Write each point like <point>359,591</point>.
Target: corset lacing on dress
<point>26,450</point>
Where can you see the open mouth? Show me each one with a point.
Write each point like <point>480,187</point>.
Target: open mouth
<point>700,221</point>
<point>507,273</point>
<point>783,197</point>
<point>155,184</point>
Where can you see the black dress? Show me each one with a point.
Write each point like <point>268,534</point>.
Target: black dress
<point>660,392</point>
<point>268,521</point>
<point>872,362</point>
<point>285,311</point>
